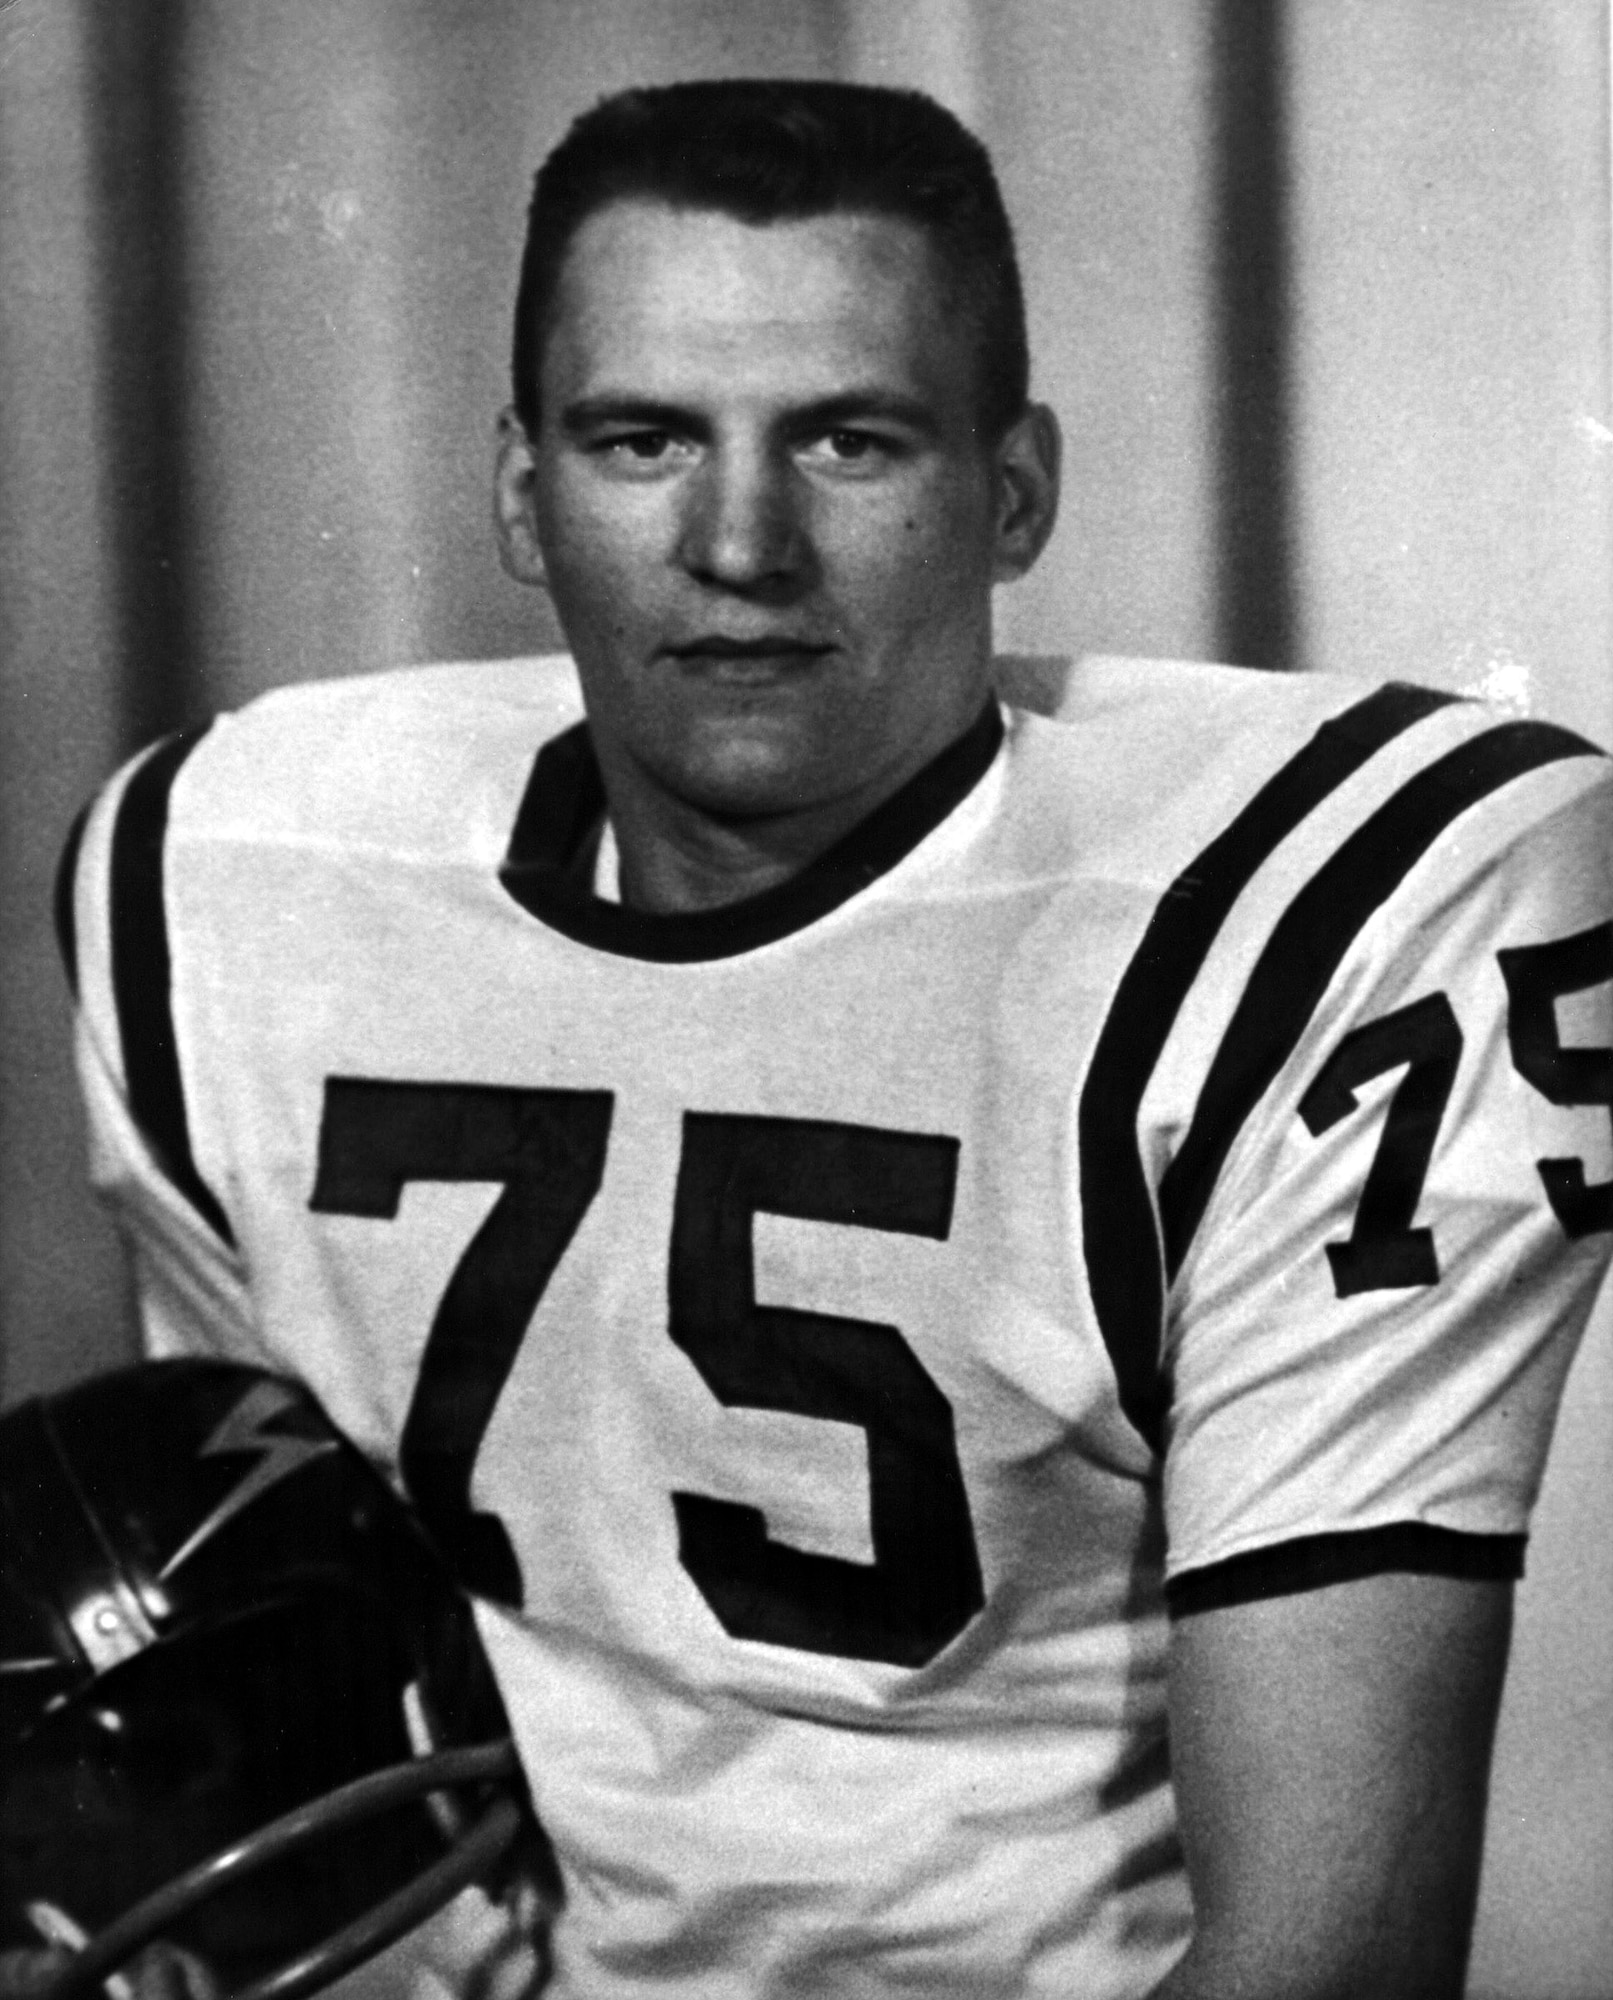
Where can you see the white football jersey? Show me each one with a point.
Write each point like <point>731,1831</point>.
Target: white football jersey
<point>1161,1158</point>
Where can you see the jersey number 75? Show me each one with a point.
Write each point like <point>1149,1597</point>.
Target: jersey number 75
<point>548,1149</point>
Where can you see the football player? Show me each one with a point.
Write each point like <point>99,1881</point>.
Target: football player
<point>978,1294</point>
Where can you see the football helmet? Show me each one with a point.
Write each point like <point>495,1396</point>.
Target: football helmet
<point>243,1707</point>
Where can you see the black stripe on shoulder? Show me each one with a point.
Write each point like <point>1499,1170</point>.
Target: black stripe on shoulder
<point>1312,936</point>
<point>62,899</point>
<point>1313,1561</point>
<point>142,974</point>
<point>1123,1255</point>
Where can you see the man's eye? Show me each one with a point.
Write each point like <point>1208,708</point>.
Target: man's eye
<point>636,447</point>
<point>851,448</point>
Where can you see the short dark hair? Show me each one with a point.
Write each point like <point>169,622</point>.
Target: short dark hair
<point>770,150</point>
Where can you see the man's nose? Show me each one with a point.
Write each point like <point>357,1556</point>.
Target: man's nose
<point>744,525</point>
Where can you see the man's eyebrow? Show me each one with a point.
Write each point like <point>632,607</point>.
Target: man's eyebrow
<point>853,406</point>
<point>861,405</point>
<point>589,412</point>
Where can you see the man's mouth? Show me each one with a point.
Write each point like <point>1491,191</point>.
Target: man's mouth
<point>728,658</point>
<point>766,646</point>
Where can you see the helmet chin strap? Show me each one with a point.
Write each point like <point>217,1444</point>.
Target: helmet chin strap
<point>484,1844</point>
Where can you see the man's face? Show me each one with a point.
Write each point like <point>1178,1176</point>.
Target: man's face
<point>768,525</point>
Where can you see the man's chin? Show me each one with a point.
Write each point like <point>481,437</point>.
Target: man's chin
<point>753,795</point>
<point>749,766</point>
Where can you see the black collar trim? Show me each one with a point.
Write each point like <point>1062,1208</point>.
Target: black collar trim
<point>553,844</point>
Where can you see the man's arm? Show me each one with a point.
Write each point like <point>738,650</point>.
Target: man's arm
<point>190,1279</point>
<point>1331,1753</point>
<point>1373,1312</point>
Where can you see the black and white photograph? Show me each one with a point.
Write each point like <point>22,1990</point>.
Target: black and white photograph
<point>806,1038</point>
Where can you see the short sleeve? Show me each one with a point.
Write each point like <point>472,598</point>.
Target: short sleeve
<point>190,1279</point>
<point>1368,1337</point>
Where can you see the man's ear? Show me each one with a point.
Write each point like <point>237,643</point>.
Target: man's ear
<point>513,512</point>
<point>1027,462</point>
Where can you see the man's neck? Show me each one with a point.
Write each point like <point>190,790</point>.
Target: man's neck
<point>675,863</point>
<point>674,858</point>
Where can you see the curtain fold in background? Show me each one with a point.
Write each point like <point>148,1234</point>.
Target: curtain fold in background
<point>62,674</point>
<point>1320,292</point>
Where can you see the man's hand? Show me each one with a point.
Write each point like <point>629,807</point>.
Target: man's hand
<point>160,1972</point>
<point>1331,1753</point>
